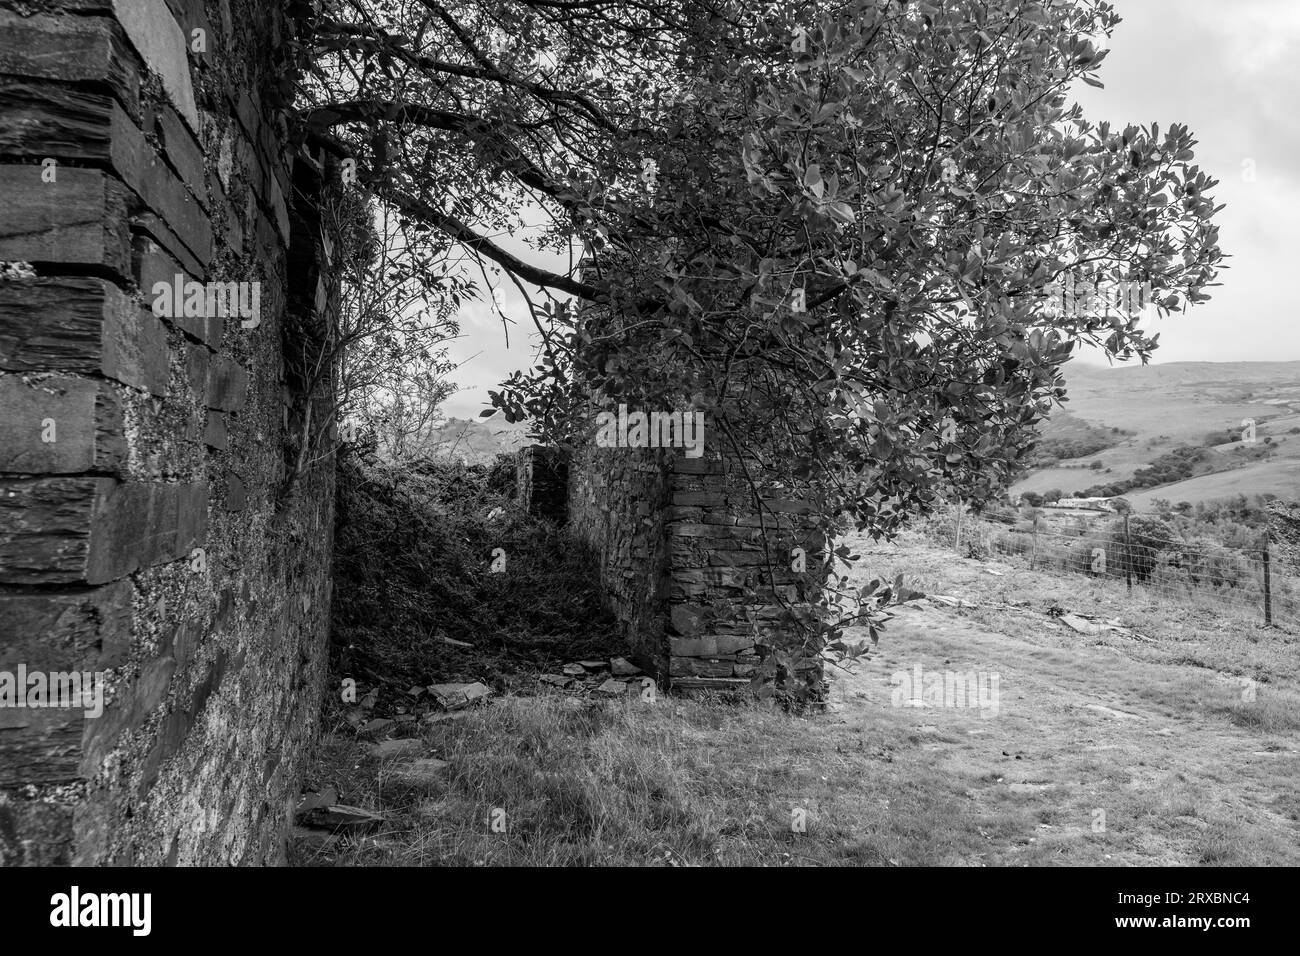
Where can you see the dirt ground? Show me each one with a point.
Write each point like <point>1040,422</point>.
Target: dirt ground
<point>1127,749</point>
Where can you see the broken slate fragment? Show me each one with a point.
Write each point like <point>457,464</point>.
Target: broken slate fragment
<point>1080,624</point>
<point>611,687</point>
<point>575,670</point>
<point>310,801</point>
<point>422,771</point>
<point>593,665</point>
<point>622,667</point>
<point>455,696</point>
<point>395,748</point>
<point>555,680</point>
<point>341,817</point>
<point>373,728</point>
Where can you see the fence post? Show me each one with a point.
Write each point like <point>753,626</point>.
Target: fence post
<point>1033,547</point>
<point>1268,589</point>
<point>960,509</point>
<point>1128,558</point>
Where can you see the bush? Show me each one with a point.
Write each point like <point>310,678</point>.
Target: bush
<point>412,550</point>
<point>1010,543</point>
<point>1147,537</point>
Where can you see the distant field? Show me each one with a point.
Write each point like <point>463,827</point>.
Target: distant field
<point>1164,406</point>
<point>1280,477</point>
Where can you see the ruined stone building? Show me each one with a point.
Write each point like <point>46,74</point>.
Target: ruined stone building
<point>158,535</point>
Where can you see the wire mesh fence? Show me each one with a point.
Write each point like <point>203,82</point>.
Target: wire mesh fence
<point>1142,552</point>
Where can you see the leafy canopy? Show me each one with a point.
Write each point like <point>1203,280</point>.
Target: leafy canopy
<point>829,226</point>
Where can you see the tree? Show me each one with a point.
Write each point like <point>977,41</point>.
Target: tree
<point>399,297</point>
<point>381,358</point>
<point>830,227</point>
<point>913,169</point>
<point>1139,548</point>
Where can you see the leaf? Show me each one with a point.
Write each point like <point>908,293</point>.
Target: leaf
<point>812,178</point>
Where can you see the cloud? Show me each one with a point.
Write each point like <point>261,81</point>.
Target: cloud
<point>1226,70</point>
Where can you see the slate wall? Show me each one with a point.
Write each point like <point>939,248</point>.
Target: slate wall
<point>146,535</point>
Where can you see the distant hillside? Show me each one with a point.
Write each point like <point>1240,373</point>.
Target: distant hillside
<point>479,442</point>
<point>1144,421</point>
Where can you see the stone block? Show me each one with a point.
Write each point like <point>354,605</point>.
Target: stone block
<point>724,685</point>
<point>699,466</point>
<point>707,499</point>
<point>40,746</point>
<point>700,667</point>
<point>94,530</point>
<point>59,630</point>
<point>41,119</point>
<point>76,49</point>
<point>60,424</point>
<point>86,325</point>
<point>151,264</point>
<point>714,645</point>
<point>214,434</point>
<point>227,384</point>
<point>80,219</point>
<point>157,37</point>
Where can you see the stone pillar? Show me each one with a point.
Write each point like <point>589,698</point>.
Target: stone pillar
<point>683,562</point>
<point>541,482</point>
<point>732,571</point>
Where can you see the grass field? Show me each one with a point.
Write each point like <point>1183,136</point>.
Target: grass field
<point>1181,746</point>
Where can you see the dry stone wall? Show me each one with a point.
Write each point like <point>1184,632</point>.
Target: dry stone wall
<point>143,534</point>
<point>697,574</point>
<point>618,504</point>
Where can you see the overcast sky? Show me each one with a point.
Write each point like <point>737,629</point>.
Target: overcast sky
<point>1229,69</point>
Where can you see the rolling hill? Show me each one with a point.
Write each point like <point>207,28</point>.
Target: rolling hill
<point>479,442</point>
<point>1129,417</point>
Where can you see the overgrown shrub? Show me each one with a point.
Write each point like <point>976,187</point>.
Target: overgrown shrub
<point>1147,537</point>
<point>413,549</point>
